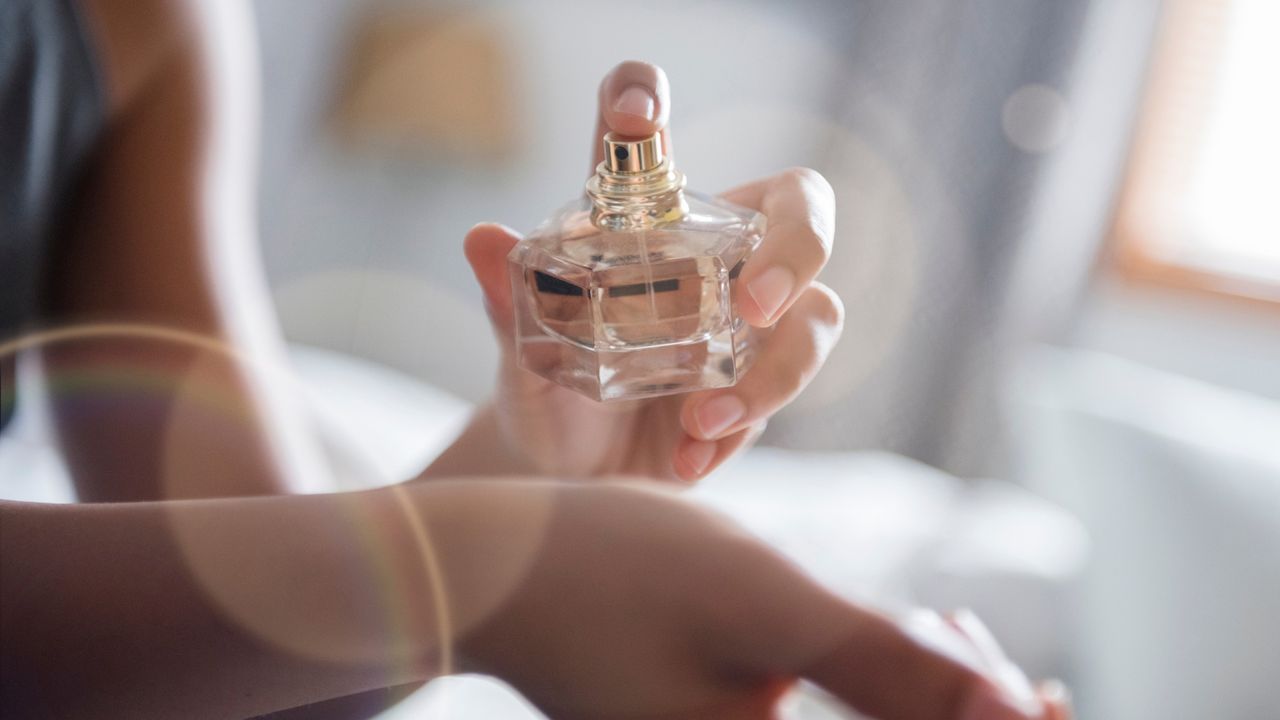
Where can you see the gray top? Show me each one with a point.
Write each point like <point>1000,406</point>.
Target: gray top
<point>52,109</point>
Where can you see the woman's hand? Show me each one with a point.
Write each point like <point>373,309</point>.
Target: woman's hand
<point>555,431</point>
<point>620,601</point>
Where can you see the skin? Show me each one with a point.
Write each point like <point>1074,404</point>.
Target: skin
<point>178,609</point>
<point>211,595</point>
<point>161,234</point>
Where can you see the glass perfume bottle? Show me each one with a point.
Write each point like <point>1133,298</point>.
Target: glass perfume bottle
<point>631,291</point>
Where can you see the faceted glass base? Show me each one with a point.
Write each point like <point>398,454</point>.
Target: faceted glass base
<point>716,361</point>
<point>629,314</point>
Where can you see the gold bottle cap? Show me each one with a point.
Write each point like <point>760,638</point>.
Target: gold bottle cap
<point>632,155</point>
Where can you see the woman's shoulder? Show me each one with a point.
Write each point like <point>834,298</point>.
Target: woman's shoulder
<point>141,42</point>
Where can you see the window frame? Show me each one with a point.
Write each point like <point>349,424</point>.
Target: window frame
<point>1182,34</point>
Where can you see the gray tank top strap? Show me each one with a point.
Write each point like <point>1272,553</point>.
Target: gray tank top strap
<point>52,110</point>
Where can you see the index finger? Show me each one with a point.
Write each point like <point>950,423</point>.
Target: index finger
<point>800,206</point>
<point>889,673</point>
<point>913,669</point>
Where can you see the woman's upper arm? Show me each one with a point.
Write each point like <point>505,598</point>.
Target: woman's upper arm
<point>161,234</point>
<point>165,211</point>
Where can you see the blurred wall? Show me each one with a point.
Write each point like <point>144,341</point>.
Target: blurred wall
<point>1227,342</point>
<point>1178,482</point>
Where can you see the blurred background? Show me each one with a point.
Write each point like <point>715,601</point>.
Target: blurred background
<point>1057,399</point>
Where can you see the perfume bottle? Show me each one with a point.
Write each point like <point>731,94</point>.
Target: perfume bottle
<point>631,291</point>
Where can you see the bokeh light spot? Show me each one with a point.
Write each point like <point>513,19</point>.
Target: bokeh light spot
<point>1036,118</point>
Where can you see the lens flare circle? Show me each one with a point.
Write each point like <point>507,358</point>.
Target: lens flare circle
<point>220,595</point>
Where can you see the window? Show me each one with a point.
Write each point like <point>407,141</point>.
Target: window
<point>1201,204</point>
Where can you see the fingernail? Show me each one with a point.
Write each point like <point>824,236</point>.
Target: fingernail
<point>1056,693</point>
<point>698,455</point>
<point>1018,688</point>
<point>772,288</point>
<point>1010,677</point>
<point>971,625</point>
<point>990,704</point>
<point>717,415</point>
<point>636,100</point>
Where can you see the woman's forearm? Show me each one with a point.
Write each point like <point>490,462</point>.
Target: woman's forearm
<point>219,608</point>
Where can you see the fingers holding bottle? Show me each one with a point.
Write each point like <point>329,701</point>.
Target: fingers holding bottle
<point>800,205</point>
<point>486,247</point>
<point>790,357</point>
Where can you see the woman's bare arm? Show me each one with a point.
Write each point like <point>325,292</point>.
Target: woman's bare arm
<point>595,600</point>
<point>218,609</point>
<point>163,234</point>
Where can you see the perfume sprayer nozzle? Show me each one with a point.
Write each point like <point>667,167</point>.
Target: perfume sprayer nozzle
<point>632,155</point>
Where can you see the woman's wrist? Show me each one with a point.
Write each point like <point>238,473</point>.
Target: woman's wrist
<point>483,539</point>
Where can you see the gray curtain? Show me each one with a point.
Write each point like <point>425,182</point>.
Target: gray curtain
<point>975,159</point>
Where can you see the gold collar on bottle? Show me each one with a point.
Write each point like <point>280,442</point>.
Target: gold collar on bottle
<point>636,186</point>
